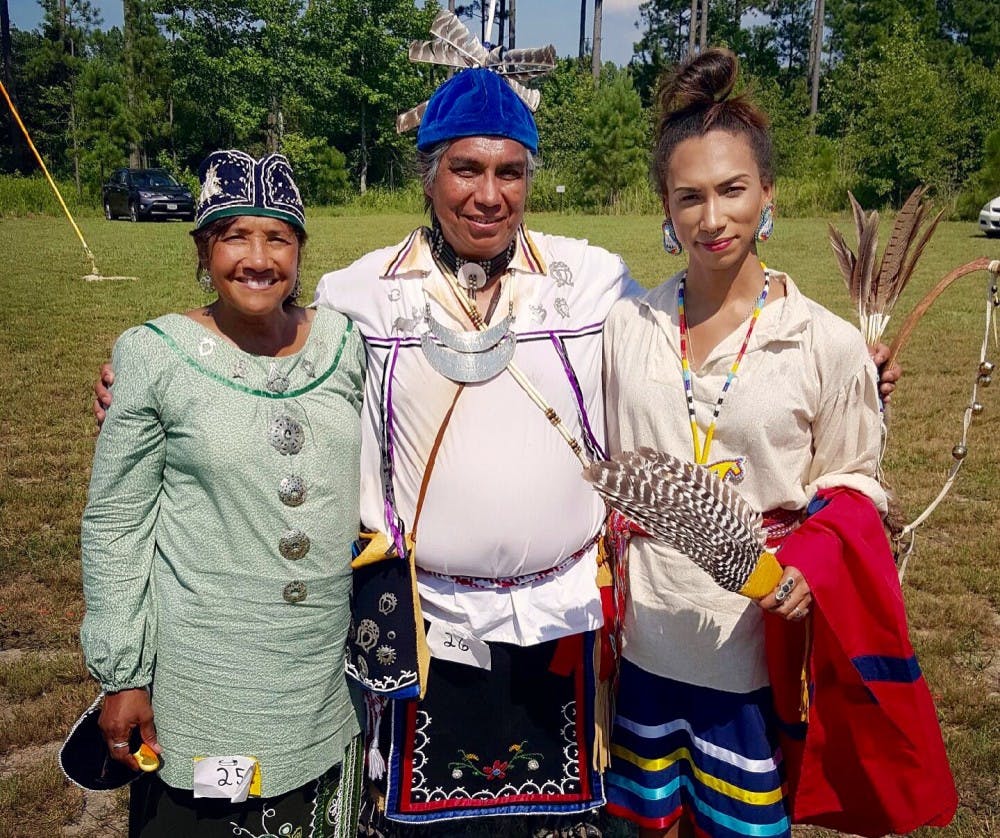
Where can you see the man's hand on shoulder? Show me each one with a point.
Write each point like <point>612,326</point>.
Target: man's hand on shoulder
<point>888,376</point>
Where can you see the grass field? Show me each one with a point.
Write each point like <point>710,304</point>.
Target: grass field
<point>56,329</point>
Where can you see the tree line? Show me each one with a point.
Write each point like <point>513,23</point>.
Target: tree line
<point>869,95</point>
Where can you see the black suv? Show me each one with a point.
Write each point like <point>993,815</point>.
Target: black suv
<point>141,194</point>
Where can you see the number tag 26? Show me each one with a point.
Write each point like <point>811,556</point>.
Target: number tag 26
<point>449,643</point>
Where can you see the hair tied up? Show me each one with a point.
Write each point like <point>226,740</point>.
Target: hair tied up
<point>699,81</point>
<point>698,97</point>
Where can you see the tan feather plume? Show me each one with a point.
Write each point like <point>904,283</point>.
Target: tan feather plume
<point>688,508</point>
<point>875,284</point>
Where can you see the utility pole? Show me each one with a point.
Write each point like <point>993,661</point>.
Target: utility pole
<point>512,17</point>
<point>815,60</point>
<point>596,59</point>
<point>692,26</point>
<point>703,38</point>
<point>583,29</point>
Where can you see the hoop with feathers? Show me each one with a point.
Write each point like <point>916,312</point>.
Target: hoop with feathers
<point>875,292</point>
<point>454,46</point>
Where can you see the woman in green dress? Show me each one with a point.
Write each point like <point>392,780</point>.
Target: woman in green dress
<point>217,533</point>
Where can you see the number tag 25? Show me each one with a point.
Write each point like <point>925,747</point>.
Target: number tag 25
<point>230,777</point>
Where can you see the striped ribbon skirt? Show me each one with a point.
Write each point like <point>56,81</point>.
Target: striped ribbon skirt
<point>681,751</point>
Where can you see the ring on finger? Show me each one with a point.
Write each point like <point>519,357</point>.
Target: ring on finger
<point>799,613</point>
<point>784,589</point>
<point>119,745</point>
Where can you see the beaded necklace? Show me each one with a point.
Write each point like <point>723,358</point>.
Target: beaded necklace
<point>701,451</point>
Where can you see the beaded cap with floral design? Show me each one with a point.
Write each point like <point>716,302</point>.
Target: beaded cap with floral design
<point>234,183</point>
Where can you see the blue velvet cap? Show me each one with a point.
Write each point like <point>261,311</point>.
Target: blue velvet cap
<point>476,103</point>
<point>234,183</point>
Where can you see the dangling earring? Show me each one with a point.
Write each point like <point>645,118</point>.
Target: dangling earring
<point>765,229</point>
<point>296,289</point>
<point>670,243</point>
<point>205,280</point>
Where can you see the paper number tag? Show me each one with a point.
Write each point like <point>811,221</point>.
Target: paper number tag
<point>451,644</point>
<point>232,778</point>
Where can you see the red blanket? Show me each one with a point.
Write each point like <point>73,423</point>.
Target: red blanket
<point>871,760</point>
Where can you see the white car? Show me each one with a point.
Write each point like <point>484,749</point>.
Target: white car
<point>989,218</point>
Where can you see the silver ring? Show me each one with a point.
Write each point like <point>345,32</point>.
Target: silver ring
<point>117,745</point>
<point>784,589</point>
<point>799,613</point>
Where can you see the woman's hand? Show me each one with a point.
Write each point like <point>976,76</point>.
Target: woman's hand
<point>102,395</point>
<point>122,711</point>
<point>791,597</point>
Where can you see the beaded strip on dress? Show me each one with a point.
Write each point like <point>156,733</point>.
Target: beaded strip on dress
<point>701,452</point>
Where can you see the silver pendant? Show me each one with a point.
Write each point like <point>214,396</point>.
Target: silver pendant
<point>473,277</point>
<point>293,545</point>
<point>286,435</point>
<point>277,382</point>
<point>292,490</point>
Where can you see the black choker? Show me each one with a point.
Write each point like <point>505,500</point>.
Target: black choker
<point>446,254</point>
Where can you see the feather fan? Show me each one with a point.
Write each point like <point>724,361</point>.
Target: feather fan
<point>455,46</point>
<point>688,508</point>
<point>875,284</point>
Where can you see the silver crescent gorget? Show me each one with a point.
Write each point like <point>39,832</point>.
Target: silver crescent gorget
<point>468,357</point>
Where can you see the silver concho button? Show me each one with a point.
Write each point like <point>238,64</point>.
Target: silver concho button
<point>292,490</point>
<point>294,592</point>
<point>286,435</point>
<point>294,544</point>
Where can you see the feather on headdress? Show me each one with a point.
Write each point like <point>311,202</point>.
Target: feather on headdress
<point>875,284</point>
<point>454,46</point>
<point>688,508</point>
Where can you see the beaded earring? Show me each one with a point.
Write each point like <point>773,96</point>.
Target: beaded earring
<point>670,242</point>
<point>765,228</point>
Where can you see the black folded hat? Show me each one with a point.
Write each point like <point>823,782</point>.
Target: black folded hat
<point>84,756</point>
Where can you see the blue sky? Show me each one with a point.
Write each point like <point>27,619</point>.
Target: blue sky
<point>539,22</point>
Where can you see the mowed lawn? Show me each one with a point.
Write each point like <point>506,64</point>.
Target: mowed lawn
<point>55,329</point>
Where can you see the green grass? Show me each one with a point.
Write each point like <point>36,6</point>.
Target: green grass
<point>55,329</point>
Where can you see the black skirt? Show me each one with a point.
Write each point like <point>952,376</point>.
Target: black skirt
<point>326,807</point>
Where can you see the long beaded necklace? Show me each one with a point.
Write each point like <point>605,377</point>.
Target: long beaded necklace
<point>701,451</point>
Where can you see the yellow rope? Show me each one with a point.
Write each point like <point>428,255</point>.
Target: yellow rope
<point>52,183</point>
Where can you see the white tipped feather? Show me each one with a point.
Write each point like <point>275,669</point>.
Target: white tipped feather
<point>448,28</point>
<point>437,52</point>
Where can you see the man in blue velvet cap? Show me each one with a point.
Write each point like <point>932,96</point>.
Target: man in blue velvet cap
<point>483,397</point>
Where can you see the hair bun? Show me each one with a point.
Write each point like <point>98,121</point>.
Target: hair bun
<point>700,81</point>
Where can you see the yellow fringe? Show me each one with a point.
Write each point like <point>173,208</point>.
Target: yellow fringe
<point>602,715</point>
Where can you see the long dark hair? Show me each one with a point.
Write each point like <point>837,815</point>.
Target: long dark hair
<point>697,97</point>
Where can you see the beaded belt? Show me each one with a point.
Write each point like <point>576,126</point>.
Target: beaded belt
<point>490,582</point>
